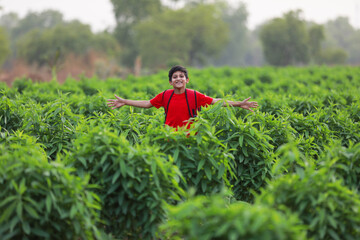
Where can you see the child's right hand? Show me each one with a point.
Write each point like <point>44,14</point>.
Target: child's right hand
<point>116,103</point>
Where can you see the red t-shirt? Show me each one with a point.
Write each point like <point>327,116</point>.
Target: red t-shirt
<point>178,111</point>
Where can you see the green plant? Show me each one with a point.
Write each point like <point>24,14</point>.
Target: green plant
<point>330,210</point>
<point>52,124</point>
<point>277,128</point>
<point>42,200</point>
<point>22,84</point>
<point>292,157</point>
<point>134,181</point>
<point>341,125</point>
<point>310,127</point>
<point>88,105</point>
<point>11,113</point>
<point>205,218</point>
<point>304,105</point>
<point>354,112</point>
<point>131,125</point>
<point>204,161</point>
<point>343,162</point>
<point>249,146</point>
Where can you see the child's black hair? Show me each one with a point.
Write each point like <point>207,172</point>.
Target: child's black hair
<point>177,68</point>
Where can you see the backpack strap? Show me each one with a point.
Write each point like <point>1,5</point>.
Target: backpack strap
<point>166,97</point>
<point>191,102</point>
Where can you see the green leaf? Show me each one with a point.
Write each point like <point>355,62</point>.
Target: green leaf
<point>48,203</point>
<point>26,227</point>
<point>113,188</point>
<point>203,186</point>
<point>22,187</point>
<point>19,209</point>
<point>13,223</point>
<point>116,176</point>
<point>77,227</point>
<point>153,167</point>
<point>6,200</point>
<point>40,233</point>
<point>123,167</point>
<point>250,143</point>
<point>31,211</point>
<point>15,185</point>
<point>322,231</point>
<point>176,154</point>
<point>103,158</point>
<point>332,221</point>
<point>8,212</point>
<point>252,131</point>
<point>221,171</point>
<point>201,164</point>
<point>208,172</point>
<point>244,150</point>
<point>241,140</point>
<point>73,211</point>
<point>334,235</point>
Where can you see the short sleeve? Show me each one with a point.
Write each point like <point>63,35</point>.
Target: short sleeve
<point>157,101</point>
<point>203,100</point>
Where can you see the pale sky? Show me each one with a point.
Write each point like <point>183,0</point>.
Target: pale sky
<point>98,13</point>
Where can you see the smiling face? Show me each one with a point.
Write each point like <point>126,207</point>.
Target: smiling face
<point>179,80</point>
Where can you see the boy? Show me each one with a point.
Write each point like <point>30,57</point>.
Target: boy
<point>180,104</point>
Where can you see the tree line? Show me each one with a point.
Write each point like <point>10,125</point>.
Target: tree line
<point>153,34</point>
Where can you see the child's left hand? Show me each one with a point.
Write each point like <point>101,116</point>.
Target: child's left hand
<point>247,105</point>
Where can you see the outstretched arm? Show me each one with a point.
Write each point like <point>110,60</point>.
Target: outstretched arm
<point>245,104</point>
<point>119,102</point>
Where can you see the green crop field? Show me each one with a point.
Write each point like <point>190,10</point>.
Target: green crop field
<point>72,168</point>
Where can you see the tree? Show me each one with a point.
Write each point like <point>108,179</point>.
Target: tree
<point>4,46</point>
<point>9,21</point>
<point>191,35</point>
<point>284,40</point>
<point>235,51</point>
<point>316,36</point>
<point>106,43</point>
<point>17,27</point>
<point>43,20</point>
<point>254,55</point>
<point>340,34</point>
<point>42,47</point>
<point>333,56</point>
<point>128,13</point>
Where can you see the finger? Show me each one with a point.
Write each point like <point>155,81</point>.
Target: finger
<point>117,97</point>
<point>247,99</point>
<point>110,100</point>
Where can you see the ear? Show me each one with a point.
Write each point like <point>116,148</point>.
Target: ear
<point>187,80</point>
